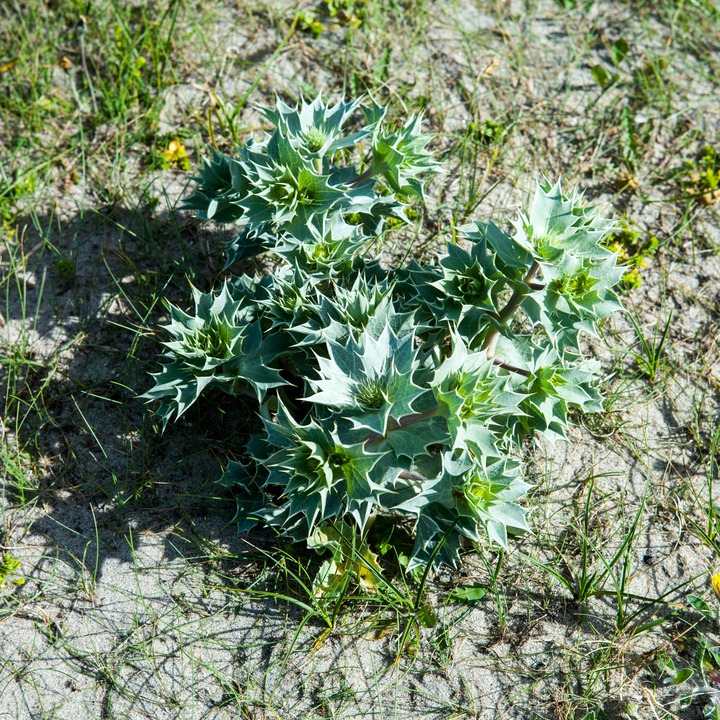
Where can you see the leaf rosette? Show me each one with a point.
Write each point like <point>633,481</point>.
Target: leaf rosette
<point>370,381</point>
<point>218,346</point>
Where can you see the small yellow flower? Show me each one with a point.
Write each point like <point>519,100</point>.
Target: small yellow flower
<point>7,229</point>
<point>715,582</point>
<point>175,154</point>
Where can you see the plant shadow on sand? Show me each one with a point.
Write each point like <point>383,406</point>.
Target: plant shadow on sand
<point>139,596</point>
<point>117,528</point>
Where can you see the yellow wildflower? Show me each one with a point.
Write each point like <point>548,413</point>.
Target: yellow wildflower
<point>175,154</point>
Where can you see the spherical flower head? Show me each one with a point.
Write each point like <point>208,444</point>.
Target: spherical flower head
<point>402,158</point>
<point>314,138</point>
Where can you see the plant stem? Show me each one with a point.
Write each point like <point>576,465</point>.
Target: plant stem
<point>415,477</point>
<point>81,30</point>
<point>402,423</point>
<point>511,368</point>
<point>362,177</point>
<point>512,305</point>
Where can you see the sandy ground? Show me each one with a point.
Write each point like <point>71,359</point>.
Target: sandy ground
<point>136,603</point>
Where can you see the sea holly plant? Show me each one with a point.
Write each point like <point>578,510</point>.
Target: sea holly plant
<point>405,391</point>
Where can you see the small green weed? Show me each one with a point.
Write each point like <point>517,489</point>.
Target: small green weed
<point>651,83</point>
<point>705,434</point>
<point>701,178</point>
<point>634,248</point>
<point>586,570</point>
<point>307,22</point>
<point>486,132</point>
<point>349,12</point>
<point>9,570</point>
<point>19,471</point>
<point>698,681</point>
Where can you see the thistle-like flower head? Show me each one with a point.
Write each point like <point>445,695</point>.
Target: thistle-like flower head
<point>369,381</point>
<point>314,128</point>
<point>321,476</point>
<point>558,224</point>
<point>487,490</point>
<point>403,159</point>
<point>218,346</point>
<point>202,343</point>
<point>474,396</point>
<point>468,283</point>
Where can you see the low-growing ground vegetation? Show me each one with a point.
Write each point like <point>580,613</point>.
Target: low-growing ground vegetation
<point>125,590</point>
